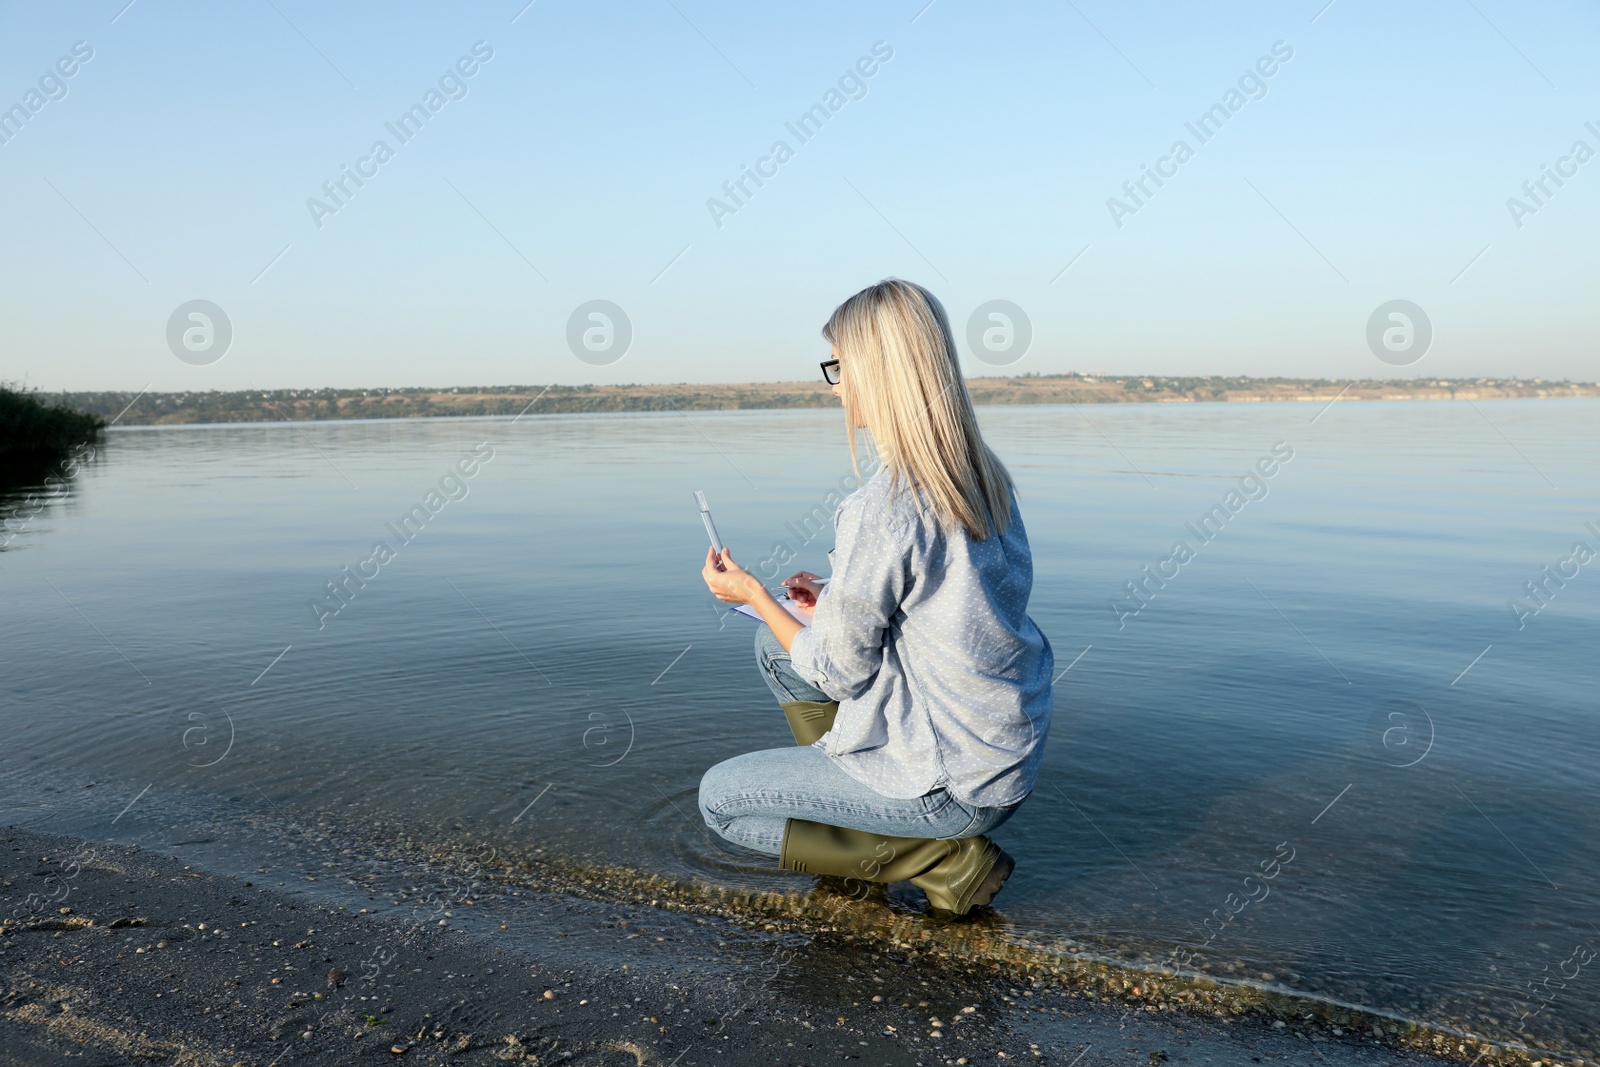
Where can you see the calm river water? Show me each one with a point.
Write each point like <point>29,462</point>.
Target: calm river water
<point>1329,685</point>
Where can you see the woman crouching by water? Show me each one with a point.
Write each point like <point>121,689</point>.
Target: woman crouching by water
<point>920,693</point>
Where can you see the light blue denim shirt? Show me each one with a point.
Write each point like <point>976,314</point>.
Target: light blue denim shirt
<point>923,636</point>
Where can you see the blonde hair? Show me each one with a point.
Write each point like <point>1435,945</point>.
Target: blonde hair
<point>901,380</point>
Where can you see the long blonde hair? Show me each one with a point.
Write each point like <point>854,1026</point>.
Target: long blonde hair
<point>903,382</point>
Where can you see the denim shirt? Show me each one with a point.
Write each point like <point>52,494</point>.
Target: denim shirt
<point>922,635</point>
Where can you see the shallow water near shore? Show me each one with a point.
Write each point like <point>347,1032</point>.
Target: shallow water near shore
<point>1320,751</point>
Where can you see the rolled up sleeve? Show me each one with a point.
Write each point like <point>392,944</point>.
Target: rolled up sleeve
<point>842,650</point>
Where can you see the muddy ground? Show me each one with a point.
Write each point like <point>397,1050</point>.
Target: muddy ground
<point>124,955</point>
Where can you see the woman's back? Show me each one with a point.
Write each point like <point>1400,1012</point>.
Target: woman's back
<point>924,637</point>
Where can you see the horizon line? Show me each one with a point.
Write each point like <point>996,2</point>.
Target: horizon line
<point>1076,375</point>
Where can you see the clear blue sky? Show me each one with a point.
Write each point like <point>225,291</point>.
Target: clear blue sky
<point>578,165</point>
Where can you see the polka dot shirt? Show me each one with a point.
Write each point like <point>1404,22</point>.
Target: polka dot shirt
<point>922,635</point>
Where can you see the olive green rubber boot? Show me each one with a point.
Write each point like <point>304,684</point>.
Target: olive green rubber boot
<point>956,875</point>
<point>810,719</point>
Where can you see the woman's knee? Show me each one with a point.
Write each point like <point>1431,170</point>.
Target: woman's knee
<point>737,782</point>
<point>716,785</point>
<point>708,797</point>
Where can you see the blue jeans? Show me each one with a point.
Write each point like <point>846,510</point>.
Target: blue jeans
<point>748,798</point>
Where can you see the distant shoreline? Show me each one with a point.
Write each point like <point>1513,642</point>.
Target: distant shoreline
<point>310,405</point>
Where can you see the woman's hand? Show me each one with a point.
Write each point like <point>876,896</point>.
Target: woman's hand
<point>803,588</point>
<point>732,584</point>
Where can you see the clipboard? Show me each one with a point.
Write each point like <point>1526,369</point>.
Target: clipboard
<point>789,605</point>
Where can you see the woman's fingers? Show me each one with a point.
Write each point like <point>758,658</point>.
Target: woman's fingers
<point>729,582</point>
<point>809,585</point>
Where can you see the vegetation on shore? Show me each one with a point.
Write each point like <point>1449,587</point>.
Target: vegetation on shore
<point>35,435</point>
<point>421,402</point>
<point>28,424</point>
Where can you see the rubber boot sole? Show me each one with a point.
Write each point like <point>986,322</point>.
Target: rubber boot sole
<point>981,890</point>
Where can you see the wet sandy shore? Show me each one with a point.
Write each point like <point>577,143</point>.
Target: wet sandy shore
<point>116,955</point>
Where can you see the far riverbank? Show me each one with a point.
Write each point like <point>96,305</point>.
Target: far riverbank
<point>295,405</point>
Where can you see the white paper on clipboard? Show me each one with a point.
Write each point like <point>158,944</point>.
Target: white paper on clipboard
<point>794,609</point>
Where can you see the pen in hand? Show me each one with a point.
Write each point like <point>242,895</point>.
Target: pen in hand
<point>803,588</point>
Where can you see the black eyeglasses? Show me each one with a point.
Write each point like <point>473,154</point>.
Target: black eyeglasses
<point>830,371</point>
